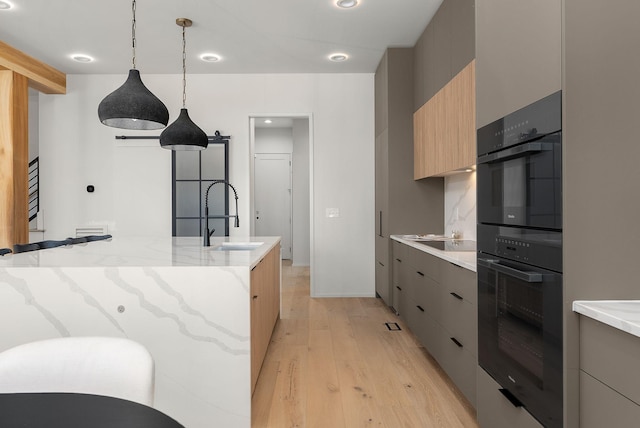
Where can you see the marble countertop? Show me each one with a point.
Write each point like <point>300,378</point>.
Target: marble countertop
<point>465,259</point>
<point>621,314</point>
<point>144,251</point>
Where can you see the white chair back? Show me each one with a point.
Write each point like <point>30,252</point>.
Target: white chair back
<point>110,366</point>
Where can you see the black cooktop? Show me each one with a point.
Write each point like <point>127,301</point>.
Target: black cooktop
<point>452,245</point>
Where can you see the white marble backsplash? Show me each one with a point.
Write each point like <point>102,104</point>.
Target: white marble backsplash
<point>460,205</point>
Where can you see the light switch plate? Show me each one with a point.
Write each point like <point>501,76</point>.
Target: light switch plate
<point>333,212</point>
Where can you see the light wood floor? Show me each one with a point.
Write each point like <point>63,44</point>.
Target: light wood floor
<point>333,363</point>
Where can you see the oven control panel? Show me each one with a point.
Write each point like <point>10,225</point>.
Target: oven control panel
<point>534,247</point>
<point>512,249</point>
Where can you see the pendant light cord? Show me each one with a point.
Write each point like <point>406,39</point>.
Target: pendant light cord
<point>184,67</point>
<point>133,33</point>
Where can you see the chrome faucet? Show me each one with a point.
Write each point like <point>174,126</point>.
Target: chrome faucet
<point>207,234</point>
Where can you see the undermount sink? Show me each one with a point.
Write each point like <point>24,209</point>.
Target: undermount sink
<point>237,246</point>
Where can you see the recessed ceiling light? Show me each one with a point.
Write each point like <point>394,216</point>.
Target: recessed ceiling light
<point>338,57</point>
<point>267,121</point>
<point>210,57</point>
<point>346,4</point>
<point>4,5</point>
<point>81,58</point>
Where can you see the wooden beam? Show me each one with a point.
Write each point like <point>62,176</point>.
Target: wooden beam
<point>42,77</point>
<point>14,159</point>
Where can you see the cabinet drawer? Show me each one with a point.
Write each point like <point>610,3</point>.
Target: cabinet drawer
<point>495,411</point>
<point>428,333</point>
<point>406,298</point>
<point>601,406</point>
<point>400,252</point>
<point>428,295</point>
<point>460,319</point>
<point>459,364</point>
<point>426,263</point>
<point>383,283</point>
<point>461,281</point>
<point>398,298</point>
<point>611,356</point>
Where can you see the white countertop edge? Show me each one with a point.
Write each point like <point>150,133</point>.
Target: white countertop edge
<point>464,259</point>
<point>621,314</point>
<point>270,246</point>
<point>140,251</point>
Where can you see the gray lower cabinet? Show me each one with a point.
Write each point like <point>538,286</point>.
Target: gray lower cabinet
<point>601,406</point>
<point>495,411</point>
<point>435,301</point>
<point>609,376</point>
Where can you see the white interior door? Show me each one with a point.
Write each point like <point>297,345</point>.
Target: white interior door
<point>272,190</point>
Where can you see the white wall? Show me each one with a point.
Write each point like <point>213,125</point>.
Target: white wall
<point>274,140</point>
<point>133,178</point>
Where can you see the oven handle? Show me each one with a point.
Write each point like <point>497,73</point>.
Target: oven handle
<point>515,152</point>
<point>519,274</point>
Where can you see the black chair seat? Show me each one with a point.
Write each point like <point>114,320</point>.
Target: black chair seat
<point>92,238</point>
<point>23,248</point>
<point>80,240</point>
<point>53,244</point>
<point>4,251</point>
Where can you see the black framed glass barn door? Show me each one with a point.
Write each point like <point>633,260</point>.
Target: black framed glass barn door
<point>193,172</point>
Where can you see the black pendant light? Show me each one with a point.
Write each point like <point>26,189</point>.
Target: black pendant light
<point>132,105</point>
<point>183,134</point>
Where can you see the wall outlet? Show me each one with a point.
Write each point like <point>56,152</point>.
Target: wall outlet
<point>333,212</point>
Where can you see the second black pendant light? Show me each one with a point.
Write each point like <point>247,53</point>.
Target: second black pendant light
<point>183,134</point>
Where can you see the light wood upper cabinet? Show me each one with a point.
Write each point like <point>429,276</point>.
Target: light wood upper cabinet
<point>444,128</point>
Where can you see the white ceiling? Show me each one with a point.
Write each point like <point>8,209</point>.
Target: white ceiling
<point>252,36</point>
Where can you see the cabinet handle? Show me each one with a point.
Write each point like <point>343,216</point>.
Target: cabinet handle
<point>420,307</point>
<point>380,263</point>
<point>398,288</point>
<point>399,261</point>
<point>456,295</point>
<point>454,340</point>
<point>420,273</point>
<point>255,297</point>
<point>512,398</point>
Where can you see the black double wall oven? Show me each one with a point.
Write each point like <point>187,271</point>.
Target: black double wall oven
<point>519,200</point>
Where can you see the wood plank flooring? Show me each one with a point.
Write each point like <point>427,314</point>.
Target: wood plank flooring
<point>333,363</point>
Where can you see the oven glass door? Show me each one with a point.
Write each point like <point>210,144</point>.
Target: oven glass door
<point>520,333</point>
<point>522,185</point>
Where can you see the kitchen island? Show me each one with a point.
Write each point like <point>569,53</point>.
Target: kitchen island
<point>189,305</point>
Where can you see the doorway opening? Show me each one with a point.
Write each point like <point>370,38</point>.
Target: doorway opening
<point>281,183</point>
